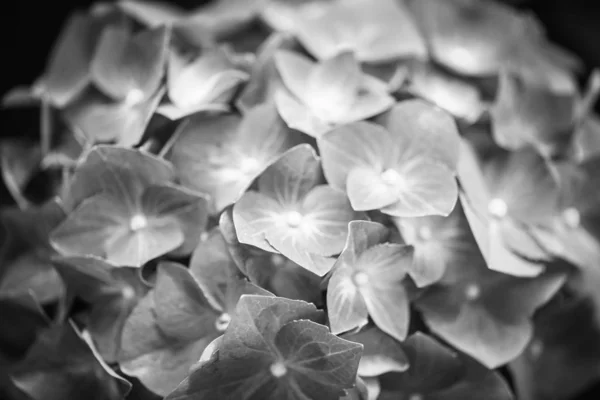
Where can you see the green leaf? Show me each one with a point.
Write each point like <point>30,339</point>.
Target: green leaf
<point>23,320</point>
<point>130,67</point>
<point>25,250</point>
<point>563,357</point>
<point>291,357</point>
<point>171,327</point>
<point>61,365</point>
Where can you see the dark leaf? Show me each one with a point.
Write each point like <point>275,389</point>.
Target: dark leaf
<point>290,357</point>
<point>61,365</point>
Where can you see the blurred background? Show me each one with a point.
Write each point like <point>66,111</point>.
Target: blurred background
<point>30,28</point>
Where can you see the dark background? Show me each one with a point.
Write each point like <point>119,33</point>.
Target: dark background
<point>29,29</point>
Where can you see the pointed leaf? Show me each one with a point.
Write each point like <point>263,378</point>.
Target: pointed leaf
<point>60,365</point>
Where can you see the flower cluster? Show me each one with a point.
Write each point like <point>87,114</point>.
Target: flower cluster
<point>312,199</point>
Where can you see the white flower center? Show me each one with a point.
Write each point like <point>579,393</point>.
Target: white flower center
<point>249,165</point>
<point>361,278</point>
<point>223,322</point>
<point>424,233</point>
<point>536,348</point>
<point>498,208</point>
<point>293,219</point>
<point>134,96</point>
<point>472,291</point>
<point>277,260</point>
<point>572,217</point>
<point>278,369</point>
<point>392,177</point>
<point>128,293</point>
<point>138,222</point>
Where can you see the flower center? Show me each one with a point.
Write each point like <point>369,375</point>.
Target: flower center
<point>571,217</point>
<point>277,260</point>
<point>392,177</point>
<point>424,233</point>
<point>249,165</point>
<point>223,322</point>
<point>134,96</point>
<point>536,348</point>
<point>278,369</point>
<point>128,293</point>
<point>138,222</point>
<point>473,291</point>
<point>498,208</point>
<point>361,278</point>
<point>293,219</point>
